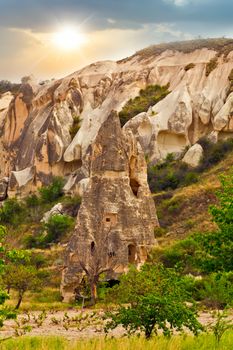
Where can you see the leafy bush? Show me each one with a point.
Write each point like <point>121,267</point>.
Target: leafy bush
<point>216,290</point>
<point>167,175</point>
<point>53,191</point>
<point>56,227</point>
<point>157,300</point>
<point>172,174</point>
<point>214,152</point>
<point>12,212</point>
<point>149,96</point>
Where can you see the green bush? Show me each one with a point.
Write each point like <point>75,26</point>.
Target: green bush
<point>12,212</point>
<point>56,227</point>
<point>171,174</point>
<point>216,290</point>
<point>149,96</point>
<point>32,201</point>
<point>53,191</point>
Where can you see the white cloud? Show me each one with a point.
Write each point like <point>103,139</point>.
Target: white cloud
<point>185,2</point>
<point>111,20</point>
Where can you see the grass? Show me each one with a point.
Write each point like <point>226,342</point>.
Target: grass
<point>202,342</point>
<point>47,299</point>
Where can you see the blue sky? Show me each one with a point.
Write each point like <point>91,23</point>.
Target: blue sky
<point>27,25</point>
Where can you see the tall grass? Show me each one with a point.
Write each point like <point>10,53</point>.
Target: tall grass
<point>203,342</point>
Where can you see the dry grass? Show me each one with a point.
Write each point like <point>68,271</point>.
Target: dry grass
<point>191,214</point>
<point>203,342</point>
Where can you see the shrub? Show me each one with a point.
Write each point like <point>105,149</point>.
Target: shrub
<point>53,191</point>
<point>75,127</point>
<point>12,212</point>
<point>32,201</point>
<point>216,290</point>
<point>211,65</point>
<point>189,66</point>
<point>159,232</point>
<point>149,96</point>
<point>56,227</point>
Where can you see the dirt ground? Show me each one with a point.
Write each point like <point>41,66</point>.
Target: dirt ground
<point>72,324</point>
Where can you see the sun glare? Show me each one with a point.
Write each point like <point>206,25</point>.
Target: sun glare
<point>68,39</point>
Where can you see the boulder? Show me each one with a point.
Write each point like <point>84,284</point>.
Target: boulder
<point>193,156</point>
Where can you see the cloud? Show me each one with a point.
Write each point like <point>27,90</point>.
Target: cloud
<point>111,21</point>
<point>34,53</point>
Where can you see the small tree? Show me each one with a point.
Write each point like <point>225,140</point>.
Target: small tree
<point>99,262</point>
<point>158,301</point>
<point>22,279</point>
<point>5,313</point>
<point>20,274</point>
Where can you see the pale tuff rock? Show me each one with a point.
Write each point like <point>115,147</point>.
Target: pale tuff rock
<point>35,128</point>
<point>223,119</point>
<point>57,209</point>
<point>23,179</point>
<point>117,215</point>
<point>193,156</point>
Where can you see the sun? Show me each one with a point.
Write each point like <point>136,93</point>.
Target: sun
<point>68,39</point>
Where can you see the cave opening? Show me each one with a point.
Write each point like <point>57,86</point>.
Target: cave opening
<point>131,253</point>
<point>134,186</point>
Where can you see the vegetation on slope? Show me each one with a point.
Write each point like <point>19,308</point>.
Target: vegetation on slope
<point>149,96</point>
<point>221,45</point>
<point>172,173</point>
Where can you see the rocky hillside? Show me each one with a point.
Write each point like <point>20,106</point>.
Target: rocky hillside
<point>47,129</point>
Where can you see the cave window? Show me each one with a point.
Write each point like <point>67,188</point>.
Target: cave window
<point>92,247</point>
<point>108,220</point>
<point>134,186</point>
<point>131,254</point>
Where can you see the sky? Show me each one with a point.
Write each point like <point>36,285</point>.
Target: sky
<point>53,38</point>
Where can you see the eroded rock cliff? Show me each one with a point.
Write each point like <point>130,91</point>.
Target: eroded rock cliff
<point>35,138</point>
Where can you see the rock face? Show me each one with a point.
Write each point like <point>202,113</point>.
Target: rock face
<point>193,156</point>
<point>116,220</point>
<point>35,124</point>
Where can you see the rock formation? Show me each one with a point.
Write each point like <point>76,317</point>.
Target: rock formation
<point>35,139</point>
<point>116,220</point>
<point>193,156</point>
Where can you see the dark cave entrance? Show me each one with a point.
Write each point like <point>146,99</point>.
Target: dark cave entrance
<point>131,254</point>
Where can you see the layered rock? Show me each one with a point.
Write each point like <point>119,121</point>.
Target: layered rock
<point>35,128</point>
<point>116,220</point>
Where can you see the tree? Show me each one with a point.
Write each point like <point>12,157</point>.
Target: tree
<point>21,273</point>
<point>5,313</point>
<point>21,278</point>
<point>157,299</point>
<point>99,262</point>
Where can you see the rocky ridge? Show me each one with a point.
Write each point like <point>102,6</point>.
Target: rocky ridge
<point>35,124</point>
